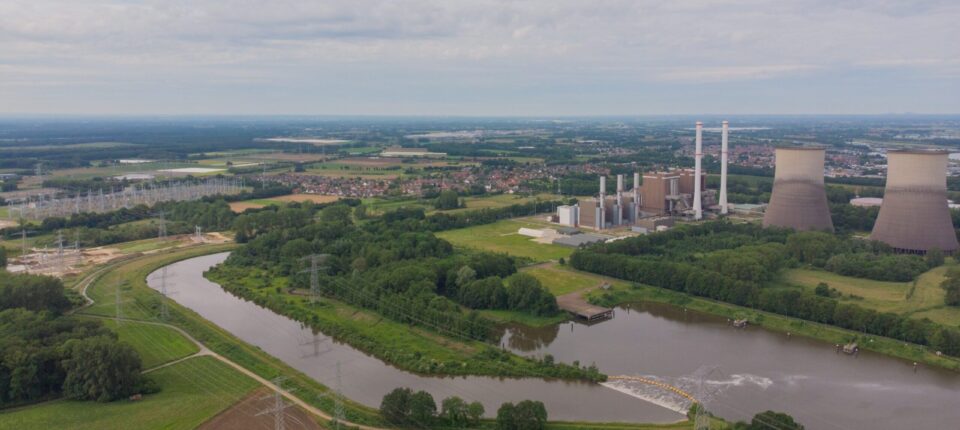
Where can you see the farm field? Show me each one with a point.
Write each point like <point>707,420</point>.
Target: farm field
<point>922,298</point>
<point>502,237</point>
<point>499,201</point>
<point>192,392</point>
<point>280,200</point>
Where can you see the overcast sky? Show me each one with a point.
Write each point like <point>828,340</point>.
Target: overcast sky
<point>479,57</point>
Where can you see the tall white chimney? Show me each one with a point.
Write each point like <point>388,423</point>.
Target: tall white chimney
<point>636,196</point>
<point>697,209</point>
<point>723,168</point>
<point>602,215</point>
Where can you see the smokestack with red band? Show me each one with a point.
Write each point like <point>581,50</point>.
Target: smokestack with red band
<point>723,168</point>
<point>697,209</point>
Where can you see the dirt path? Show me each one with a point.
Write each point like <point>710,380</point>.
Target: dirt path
<point>203,350</point>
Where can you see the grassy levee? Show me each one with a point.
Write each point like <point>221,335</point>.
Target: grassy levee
<point>621,293</point>
<point>141,302</point>
<point>192,392</point>
<point>524,318</point>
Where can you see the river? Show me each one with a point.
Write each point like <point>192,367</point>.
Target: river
<point>738,371</point>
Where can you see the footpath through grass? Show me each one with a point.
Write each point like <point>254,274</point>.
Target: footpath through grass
<point>192,392</point>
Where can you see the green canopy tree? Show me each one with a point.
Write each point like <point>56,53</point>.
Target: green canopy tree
<point>100,368</point>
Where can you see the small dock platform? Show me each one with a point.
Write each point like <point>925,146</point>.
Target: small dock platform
<point>578,307</point>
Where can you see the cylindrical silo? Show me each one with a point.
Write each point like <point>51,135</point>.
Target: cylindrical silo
<point>914,216</point>
<point>799,200</point>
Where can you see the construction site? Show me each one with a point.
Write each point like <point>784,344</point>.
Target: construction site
<point>68,258</point>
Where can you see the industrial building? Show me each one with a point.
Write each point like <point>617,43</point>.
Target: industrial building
<point>676,192</point>
<point>798,199</point>
<point>914,216</point>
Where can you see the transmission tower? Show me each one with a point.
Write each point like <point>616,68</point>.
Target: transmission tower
<point>338,402</point>
<point>315,260</point>
<point>118,317</point>
<point>60,264</point>
<point>165,295</point>
<point>199,231</point>
<point>702,416</point>
<point>278,410</point>
<point>162,229</point>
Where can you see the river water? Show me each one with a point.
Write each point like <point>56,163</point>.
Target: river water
<point>738,372</point>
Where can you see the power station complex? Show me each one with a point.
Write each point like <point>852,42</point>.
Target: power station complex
<point>674,192</point>
<point>914,216</point>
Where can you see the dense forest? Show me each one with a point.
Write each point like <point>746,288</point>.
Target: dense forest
<point>736,263</point>
<point>44,354</point>
<point>389,264</point>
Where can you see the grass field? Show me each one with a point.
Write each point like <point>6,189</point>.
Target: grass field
<point>921,298</point>
<point>155,344</point>
<point>562,280</point>
<point>502,237</point>
<point>192,392</point>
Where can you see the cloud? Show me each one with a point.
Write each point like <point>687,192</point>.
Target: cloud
<point>517,43</point>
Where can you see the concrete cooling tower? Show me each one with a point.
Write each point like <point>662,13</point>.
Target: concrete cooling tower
<point>914,216</point>
<point>798,200</point>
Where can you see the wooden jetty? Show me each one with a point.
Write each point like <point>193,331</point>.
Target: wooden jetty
<point>578,307</point>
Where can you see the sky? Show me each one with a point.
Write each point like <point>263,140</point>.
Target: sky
<point>479,57</point>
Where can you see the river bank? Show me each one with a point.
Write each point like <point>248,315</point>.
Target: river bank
<point>366,379</point>
<point>624,293</point>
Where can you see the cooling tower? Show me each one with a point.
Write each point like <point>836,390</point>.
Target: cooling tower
<point>914,216</point>
<point>798,200</point>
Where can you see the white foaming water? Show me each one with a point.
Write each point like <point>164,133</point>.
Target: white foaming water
<point>651,394</point>
<point>738,380</point>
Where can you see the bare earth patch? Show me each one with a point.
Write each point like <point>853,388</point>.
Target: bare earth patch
<point>238,207</point>
<point>244,415</point>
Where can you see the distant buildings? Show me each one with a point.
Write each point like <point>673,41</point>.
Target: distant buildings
<point>411,152</point>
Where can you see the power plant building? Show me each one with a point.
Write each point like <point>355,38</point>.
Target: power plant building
<point>914,216</point>
<point>798,199</point>
<point>673,192</point>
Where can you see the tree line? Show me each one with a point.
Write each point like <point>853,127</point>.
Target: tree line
<point>405,408</point>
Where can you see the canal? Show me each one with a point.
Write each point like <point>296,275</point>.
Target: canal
<point>738,371</point>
